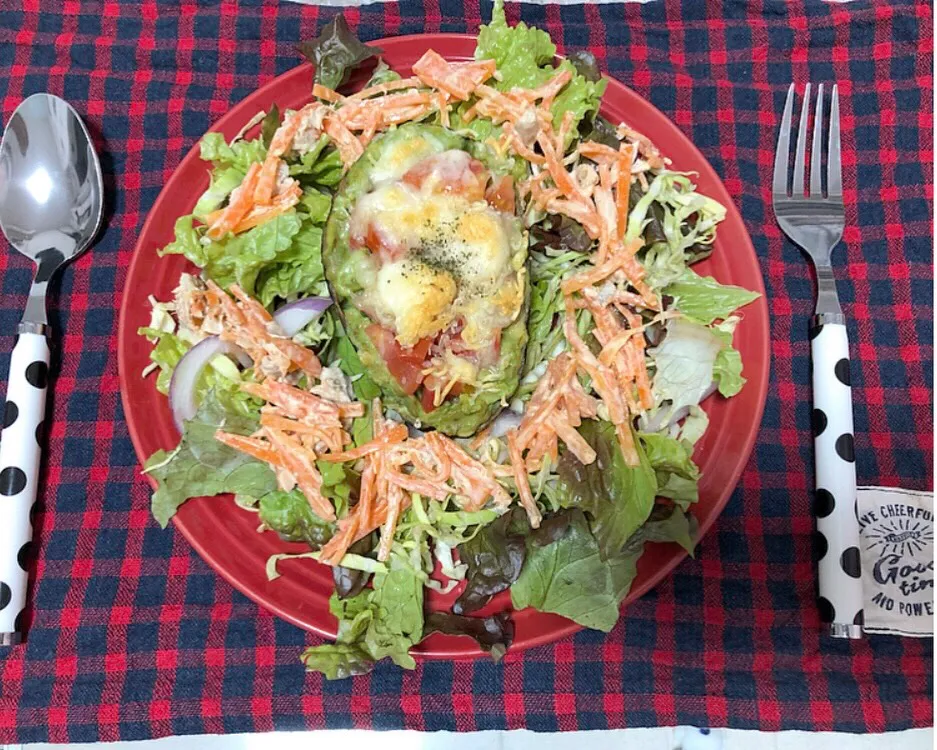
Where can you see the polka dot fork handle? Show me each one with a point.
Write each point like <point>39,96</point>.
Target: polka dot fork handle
<point>20,452</point>
<point>840,575</point>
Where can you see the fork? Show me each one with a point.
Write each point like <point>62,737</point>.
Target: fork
<point>814,220</point>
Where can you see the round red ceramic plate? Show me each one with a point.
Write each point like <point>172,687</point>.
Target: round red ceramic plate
<point>225,536</point>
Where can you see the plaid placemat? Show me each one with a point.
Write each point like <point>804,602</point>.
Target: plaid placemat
<point>134,637</point>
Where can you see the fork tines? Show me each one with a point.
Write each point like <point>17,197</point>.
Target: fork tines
<point>834,180</point>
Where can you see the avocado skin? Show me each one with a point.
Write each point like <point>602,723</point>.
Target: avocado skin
<point>466,414</point>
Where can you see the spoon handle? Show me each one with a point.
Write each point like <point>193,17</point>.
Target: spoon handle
<point>20,452</point>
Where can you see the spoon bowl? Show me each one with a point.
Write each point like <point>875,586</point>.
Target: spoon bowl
<point>51,189</point>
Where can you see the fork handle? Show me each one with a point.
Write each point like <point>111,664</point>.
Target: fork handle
<point>19,474</point>
<point>840,570</point>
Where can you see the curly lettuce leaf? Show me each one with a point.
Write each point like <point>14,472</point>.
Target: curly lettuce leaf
<point>336,52</point>
<point>705,299</point>
<point>727,370</point>
<point>493,634</point>
<point>289,515</point>
<point>667,523</point>
<point>683,221</point>
<point>494,557</point>
<point>240,259</point>
<point>384,621</point>
<point>336,661</point>
<point>545,333</point>
<point>570,578</point>
<point>201,466</point>
<point>671,459</point>
<point>524,56</point>
<point>187,241</point>
<point>297,270</point>
<point>165,354</point>
<point>320,166</point>
<point>383,73</point>
<point>238,155</point>
<point>270,124</point>
<point>617,497</point>
<point>365,388</point>
<point>668,455</point>
<point>684,362</point>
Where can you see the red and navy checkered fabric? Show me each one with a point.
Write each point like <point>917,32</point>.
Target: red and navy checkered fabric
<point>133,636</point>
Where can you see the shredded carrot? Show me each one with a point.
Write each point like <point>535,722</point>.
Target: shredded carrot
<point>457,80</point>
<point>326,94</point>
<point>254,447</point>
<point>349,147</point>
<point>239,203</point>
<point>520,479</point>
<point>246,324</point>
<point>266,182</point>
<point>395,434</point>
<point>598,152</point>
<point>301,464</point>
<point>624,188</point>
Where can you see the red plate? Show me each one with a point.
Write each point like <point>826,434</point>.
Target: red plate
<point>225,536</point>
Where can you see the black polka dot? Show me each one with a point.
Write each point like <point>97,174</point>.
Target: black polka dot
<point>842,371</point>
<point>855,509</point>
<point>821,545</point>
<point>37,374</point>
<point>5,595</point>
<point>10,413</point>
<point>859,619</point>
<point>39,433</point>
<point>827,613</point>
<point>846,448</point>
<point>12,481</point>
<point>815,331</point>
<point>818,422</point>
<point>849,561</point>
<point>24,555</point>
<point>19,624</point>
<point>824,502</point>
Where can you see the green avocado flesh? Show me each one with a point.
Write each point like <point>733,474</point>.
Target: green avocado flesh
<point>347,271</point>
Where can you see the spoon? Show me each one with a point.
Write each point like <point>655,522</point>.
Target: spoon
<point>51,196</point>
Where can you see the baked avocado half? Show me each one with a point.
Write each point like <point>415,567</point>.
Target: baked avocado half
<point>426,259</point>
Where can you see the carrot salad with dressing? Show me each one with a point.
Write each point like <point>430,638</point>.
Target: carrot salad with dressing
<point>447,332</point>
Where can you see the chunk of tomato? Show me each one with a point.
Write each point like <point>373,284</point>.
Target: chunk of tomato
<point>378,242</point>
<point>404,363</point>
<point>500,194</point>
<point>428,395</point>
<point>451,172</point>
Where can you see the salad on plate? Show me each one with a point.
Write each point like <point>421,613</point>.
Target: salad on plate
<point>445,330</point>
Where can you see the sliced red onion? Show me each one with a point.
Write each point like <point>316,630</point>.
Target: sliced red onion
<point>504,423</point>
<point>185,376</point>
<point>295,316</point>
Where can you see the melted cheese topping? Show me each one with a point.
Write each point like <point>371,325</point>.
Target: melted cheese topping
<point>447,258</point>
<point>417,296</point>
<point>399,158</point>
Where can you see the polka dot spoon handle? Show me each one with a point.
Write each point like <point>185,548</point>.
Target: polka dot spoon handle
<point>20,452</point>
<point>837,522</point>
